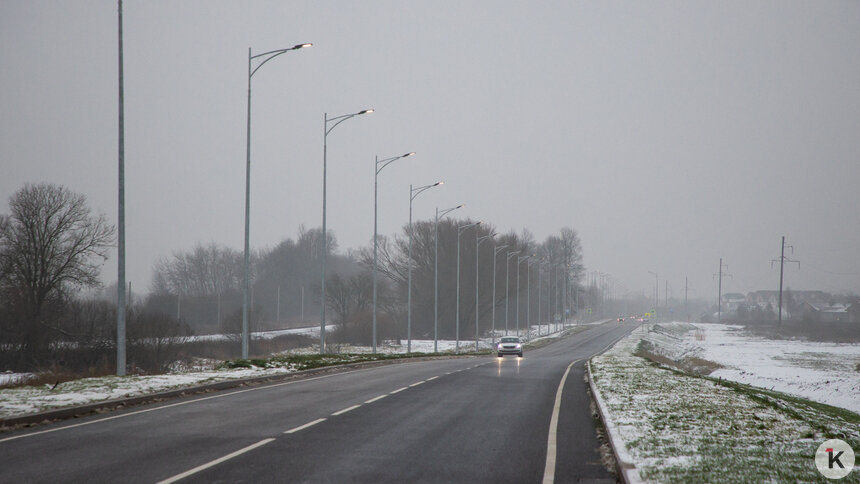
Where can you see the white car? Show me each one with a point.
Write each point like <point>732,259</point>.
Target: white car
<point>510,345</point>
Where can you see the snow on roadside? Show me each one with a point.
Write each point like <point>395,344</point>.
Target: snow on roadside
<point>27,400</point>
<point>680,428</point>
<point>822,372</point>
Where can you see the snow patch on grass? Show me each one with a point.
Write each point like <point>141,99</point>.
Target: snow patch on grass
<point>679,427</point>
<point>27,400</point>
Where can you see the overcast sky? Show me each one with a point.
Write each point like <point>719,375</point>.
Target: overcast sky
<point>668,134</point>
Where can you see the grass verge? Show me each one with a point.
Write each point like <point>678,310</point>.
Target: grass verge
<point>683,427</point>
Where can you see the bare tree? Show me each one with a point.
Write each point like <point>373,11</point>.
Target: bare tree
<point>50,245</point>
<point>203,271</point>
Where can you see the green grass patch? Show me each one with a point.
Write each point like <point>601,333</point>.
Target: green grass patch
<point>685,427</point>
<point>308,362</point>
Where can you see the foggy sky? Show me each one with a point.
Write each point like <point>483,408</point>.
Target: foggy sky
<point>668,134</point>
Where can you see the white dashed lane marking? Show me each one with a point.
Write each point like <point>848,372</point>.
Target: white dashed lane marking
<point>302,427</point>
<point>347,409</point>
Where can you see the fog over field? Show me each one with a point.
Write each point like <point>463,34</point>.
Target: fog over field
<point>667,134</point>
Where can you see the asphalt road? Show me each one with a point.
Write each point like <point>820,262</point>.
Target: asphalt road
<point>480,419</point>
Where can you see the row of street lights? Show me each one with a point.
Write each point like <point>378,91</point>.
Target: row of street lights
<point>328,125</point>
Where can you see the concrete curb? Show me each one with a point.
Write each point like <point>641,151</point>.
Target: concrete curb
<point>625,462</point>
<point>79,411</point>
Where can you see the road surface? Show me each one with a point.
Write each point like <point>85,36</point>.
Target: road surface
<point>481,419</point>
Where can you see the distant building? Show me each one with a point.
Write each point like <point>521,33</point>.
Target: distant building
<point>854,312</point>
<point>772,297</point>
<point>827,312</point>
<point>731,301</point>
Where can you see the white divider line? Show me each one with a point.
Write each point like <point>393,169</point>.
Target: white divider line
<point>347,409</point>
<point>399,390</point>
<point>433,377</point>
<point>551,443</point>
<point>302,427</point>
<point>185,402</point>
<point>417,383</point>
<point>377,398</point>
<point>215,462</point>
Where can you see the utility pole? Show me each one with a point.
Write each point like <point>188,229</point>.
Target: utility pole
<point>686,286</point>
<point>782,260</point>
<point>720,290</point>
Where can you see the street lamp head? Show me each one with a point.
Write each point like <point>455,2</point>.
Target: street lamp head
<point>438,183</point>
<point>411,153</point>
<point>302,46</point>
<point>460,206</point>
<point>366,111</point>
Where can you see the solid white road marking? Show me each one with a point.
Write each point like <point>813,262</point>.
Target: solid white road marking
<point>433,377</point>
<point>340,412</point>
<point>399,390</point>
<point>302,427</point>
<point>215,462</point>
<point>377,398</point>
<point>549,468</point>
<point>416,383</point>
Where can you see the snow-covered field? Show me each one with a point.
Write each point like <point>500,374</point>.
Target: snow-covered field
<point>683,428</point>
<point>823,372</point>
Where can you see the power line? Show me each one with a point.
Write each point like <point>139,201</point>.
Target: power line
<point>782,260</point>
<point>721,274</point>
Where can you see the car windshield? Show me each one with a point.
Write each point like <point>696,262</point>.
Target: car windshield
<point>510,340</point>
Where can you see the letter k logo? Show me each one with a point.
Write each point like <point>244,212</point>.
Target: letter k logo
<point>831,458</point>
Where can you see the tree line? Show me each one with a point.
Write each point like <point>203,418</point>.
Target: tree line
<point>52,248</point>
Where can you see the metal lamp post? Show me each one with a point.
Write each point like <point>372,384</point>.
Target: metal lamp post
<point>266,57</point>
<point>460,230</point>
<point>380,164</point>
<point>541,262</point>
<point>436,277</point>
<point>519,261</point>
<point>478,242</point>
<point>495,253</point>
<point>326,130</point>
<point>413,192</point>
<point>510,255</point>
<point>529,299</point>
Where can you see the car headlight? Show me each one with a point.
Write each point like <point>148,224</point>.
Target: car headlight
<point>500,346</point>
<point>519,346</point>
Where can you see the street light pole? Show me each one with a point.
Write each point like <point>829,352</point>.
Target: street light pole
<point>377,169</point>
<point>460,230</point>
<point>528,300</point>
<point>120,285</point>
<point>266,57</point>
<point>495,253</point>
<point>413,192</point>
<point>520,259</point>
<point>540,263</point>
<point>478,241</point>
<point>508,285</point>
<point>436,276</point>
<point>326,130</point>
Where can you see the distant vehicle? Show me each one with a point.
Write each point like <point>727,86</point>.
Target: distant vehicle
<point>620,320</point>
<point>510,345</point>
